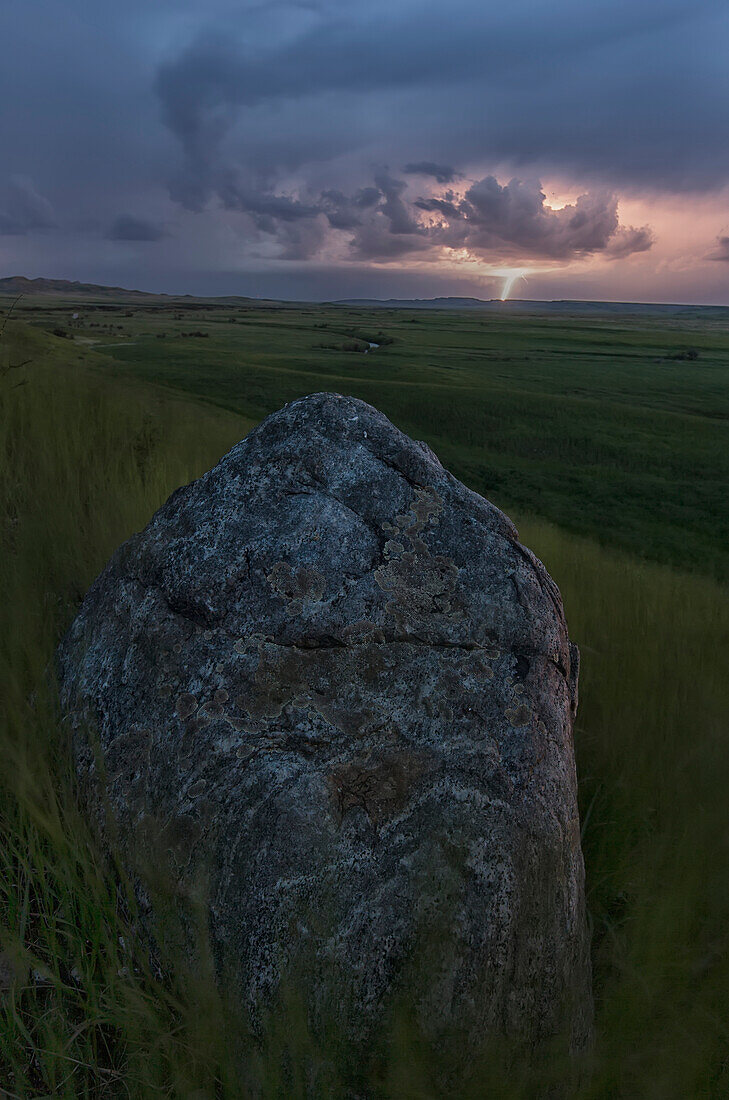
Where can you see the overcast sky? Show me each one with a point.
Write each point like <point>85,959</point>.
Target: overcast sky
<point>316,149</point>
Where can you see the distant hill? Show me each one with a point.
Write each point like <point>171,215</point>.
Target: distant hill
<point>18,284</point>
<point>418,303</point>
<point>518,305</point>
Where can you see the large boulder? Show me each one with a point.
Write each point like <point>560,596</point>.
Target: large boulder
<point>329,692</point>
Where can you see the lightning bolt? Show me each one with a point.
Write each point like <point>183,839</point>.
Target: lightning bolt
<point>510,281</point>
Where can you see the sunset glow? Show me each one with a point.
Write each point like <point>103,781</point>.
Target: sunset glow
<point>231,157</point>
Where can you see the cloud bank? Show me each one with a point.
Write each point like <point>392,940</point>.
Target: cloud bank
<point>397,133</point>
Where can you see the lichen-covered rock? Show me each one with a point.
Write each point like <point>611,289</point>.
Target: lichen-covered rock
<point>328,687</point>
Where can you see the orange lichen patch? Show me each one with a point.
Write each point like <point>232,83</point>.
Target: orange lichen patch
<point>393,547</point>
<point>186,705</point>
<point>381,788</point>
<point>197,722</point>
<point>215,705</point>
<point>519,715</point>
<point>482,668</point>
<point>298,585</point>
<point>420,583</point>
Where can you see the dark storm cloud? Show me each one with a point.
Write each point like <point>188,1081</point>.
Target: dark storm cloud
<point>265,206</point>
<point>128,228</point>
<point>491,221</point>
<point>440,172</point>
<point>366,197</point>
<point>573,88</point>
<point>627,241</point>
<point>273,120</point>
<point>514,219</point>
<point>395,210</point>
<point>447,205</point>
<point>390,230</point>
<point>347,211</point>
<point>23,209</point>
<point>295,226</point>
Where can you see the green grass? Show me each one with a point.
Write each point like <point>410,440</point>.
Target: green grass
<point>653,764</point>
<point>86,458</point>
<point>587,421</point>
<point>84,463</point>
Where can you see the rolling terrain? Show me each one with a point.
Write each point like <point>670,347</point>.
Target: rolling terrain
<point>617,428</point>
<point>598,441</point>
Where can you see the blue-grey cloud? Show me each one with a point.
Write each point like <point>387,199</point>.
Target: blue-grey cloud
<point>272,119</point>
<point>510,221</point>
<point>514,219</point>
<point>23,209</point>
<point>128,228</point>
<point>442,173</point>
<point>491,221</point>
<point>397,212</point>
<point>581,90</point>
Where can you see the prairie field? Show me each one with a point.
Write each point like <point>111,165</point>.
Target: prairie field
<point>606,440</point>
<point>610,427</point>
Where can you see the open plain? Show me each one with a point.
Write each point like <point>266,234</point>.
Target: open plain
<point>606,439</point>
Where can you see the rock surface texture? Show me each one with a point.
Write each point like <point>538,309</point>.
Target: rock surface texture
<point>327,683</point>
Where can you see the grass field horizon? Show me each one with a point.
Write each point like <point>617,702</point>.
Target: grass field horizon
<point>615,428</point>
<point>95,438</point>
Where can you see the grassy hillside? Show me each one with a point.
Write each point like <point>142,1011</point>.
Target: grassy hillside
<point>86,460</point>
<point>84,463</point>
<point>604,426</point>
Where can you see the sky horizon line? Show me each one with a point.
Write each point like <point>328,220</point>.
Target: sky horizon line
<point>375,298</point>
